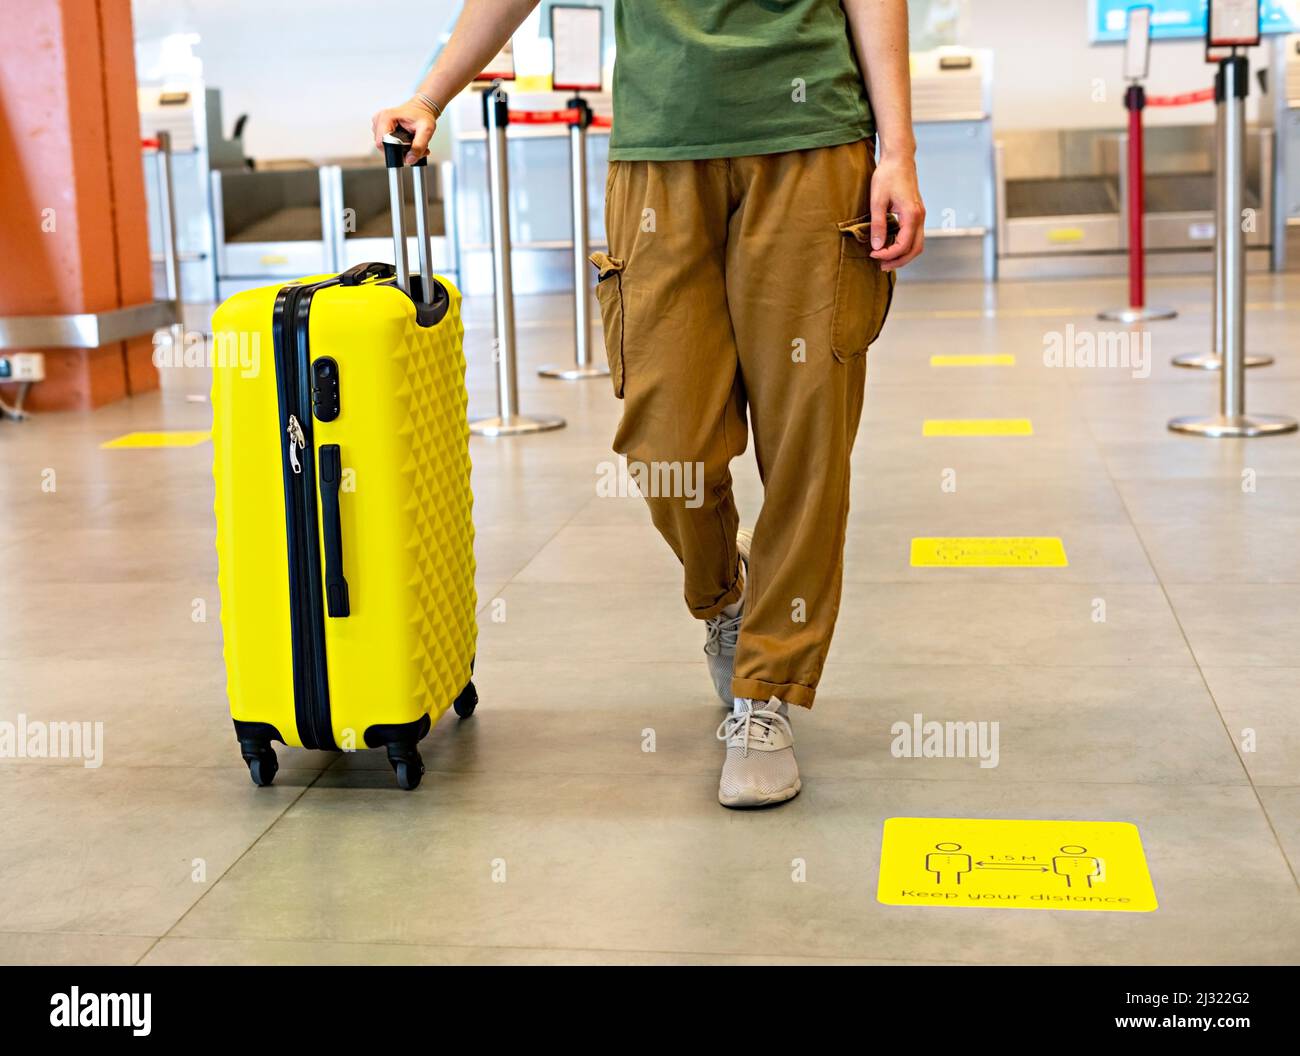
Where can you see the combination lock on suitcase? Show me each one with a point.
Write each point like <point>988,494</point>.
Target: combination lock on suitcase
<point>345,537</point>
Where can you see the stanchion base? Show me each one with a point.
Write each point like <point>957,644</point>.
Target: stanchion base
<point>515,425</point>
<point>574,373</point>
<point>1210,361</point>
<point>1136,315</point>
<point>1233,425</point>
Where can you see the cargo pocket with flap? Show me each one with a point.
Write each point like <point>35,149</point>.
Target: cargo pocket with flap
<point>862,292</point>
<point>609,293</point>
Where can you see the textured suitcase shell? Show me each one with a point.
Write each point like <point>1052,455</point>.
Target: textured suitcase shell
<point>406,648</point>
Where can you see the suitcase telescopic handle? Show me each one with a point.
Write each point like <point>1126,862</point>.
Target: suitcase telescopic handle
<point>396,145</point>
<point>331,479</point>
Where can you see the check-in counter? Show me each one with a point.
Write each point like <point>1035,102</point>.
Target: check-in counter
<point>364,231</point>
<point>1063,200</point>
<point>269,226</point>
<point>952,112</point>
<point>308,220</point>
<point>190,114</point>
<point>1285,114</point>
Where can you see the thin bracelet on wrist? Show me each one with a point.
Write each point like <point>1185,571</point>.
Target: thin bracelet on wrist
<point>437,110</point>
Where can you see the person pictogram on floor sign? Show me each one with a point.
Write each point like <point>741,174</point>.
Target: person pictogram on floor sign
<point>944,859</point>
<point>1073,864</point>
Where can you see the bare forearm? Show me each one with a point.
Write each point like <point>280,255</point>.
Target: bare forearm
<point>879,30</point>
<point>481,31</point>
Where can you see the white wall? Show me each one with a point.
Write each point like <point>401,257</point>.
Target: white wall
<point>308,74</point>
<point>1045,70</point>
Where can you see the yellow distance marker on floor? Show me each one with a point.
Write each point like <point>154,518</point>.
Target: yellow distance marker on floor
<point>996,359</point>
<point>988,552</point>
<point>170,439</point>
<point>977,427</point>
<point>995,864</point>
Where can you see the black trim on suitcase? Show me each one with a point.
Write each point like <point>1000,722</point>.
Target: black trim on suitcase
<point>306,603</point>
<point>315,590</point>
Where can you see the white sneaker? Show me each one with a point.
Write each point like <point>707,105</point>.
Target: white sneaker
<point>722,631</point>
<point>760,768</point>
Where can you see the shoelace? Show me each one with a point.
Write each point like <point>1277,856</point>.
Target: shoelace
<point>762,718</point>
<point>721,632</point>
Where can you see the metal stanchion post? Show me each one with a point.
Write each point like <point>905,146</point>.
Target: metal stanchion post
<point>1213,360</point>
<point>583,366</point>
<point>1137,311</point>
<point>167,232</point>
<point>1232,420</point>
<point>508,422</point>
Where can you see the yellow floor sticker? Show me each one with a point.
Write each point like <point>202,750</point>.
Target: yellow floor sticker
<point>998,359</point>
<point>994,864</point>
<point>171,439</point>
<point>977,427</point>
<point>988,552</point>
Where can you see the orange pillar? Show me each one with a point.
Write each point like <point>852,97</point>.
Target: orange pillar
<point>73,219</point>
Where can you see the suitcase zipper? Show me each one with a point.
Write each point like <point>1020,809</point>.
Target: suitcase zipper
<point>307,629</point>
<point>297,442</point>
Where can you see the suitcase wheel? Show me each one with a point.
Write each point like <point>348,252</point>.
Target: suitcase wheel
<point>467,701</point>
<point>407,765</point>
<point>262,766</point>
<point>408,774</point>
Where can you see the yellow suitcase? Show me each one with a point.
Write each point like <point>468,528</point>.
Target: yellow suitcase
<point>344,520</point>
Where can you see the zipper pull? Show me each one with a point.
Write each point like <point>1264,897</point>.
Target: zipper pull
<point>297,440</point>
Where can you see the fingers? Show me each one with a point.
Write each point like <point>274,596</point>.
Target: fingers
<point>918,246</point>
<point>421,126</point>
<point>909,240</point>
<point>421,131</point>
<point>381,124</point>
<point>879,215</point>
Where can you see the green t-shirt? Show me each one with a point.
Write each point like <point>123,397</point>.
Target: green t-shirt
<point>726,78</point>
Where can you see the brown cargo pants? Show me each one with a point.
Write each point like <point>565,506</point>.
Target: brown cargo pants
<point>735,285</point>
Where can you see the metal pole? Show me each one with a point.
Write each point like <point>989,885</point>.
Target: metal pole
<point>1213,360</point>
<point>508,422</point>
<point>1232,320</point>
<point>171,252</point>
<point>1232,420</point>
<point>450,218</point>
<point>423,246</point>
<point>1135,212</point>
<point>397,205</point>
<point>583,367</point>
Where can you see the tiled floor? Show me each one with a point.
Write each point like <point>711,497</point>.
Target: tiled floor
<point>1179,712</point>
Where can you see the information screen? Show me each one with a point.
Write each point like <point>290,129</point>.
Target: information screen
<point>1173,19</point>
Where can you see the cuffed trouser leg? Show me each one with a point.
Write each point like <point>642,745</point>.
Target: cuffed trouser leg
<point>804,300</point>
<point>748,282</point>
<point>674,351</point>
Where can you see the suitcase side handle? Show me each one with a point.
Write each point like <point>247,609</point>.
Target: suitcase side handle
<point>331,477</point>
